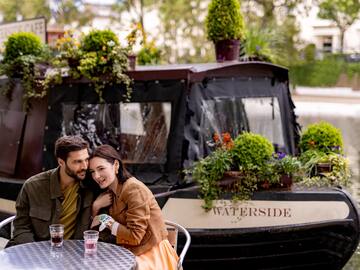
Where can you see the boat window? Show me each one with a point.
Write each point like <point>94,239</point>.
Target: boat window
<point>235,115</point>
<point>139,131</point>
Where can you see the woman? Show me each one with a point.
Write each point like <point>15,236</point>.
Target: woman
<point>135,217</point>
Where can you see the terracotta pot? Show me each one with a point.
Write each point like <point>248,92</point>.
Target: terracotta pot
<point>227,50</point>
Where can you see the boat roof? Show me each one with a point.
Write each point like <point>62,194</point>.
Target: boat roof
<point>199,71</point>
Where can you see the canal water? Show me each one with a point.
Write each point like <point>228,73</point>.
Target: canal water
<point>344,113</point>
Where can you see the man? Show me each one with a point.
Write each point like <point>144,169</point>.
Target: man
<point>56,196</point>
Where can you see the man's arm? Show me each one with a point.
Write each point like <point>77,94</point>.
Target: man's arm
<point>23,232</point>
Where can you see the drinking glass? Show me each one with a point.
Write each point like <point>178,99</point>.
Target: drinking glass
<point>56,235</point>
<point>90,241</point>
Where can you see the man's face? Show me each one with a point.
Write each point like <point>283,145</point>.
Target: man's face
<point>76,164</point>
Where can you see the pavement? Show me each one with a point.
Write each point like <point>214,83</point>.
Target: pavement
<point>327,95</point>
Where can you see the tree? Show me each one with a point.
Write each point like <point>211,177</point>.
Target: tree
<point>66,12</point>
<point>137,7</point>
<point>12,10</point>
<point>184,31</point>
<point>342,12</point>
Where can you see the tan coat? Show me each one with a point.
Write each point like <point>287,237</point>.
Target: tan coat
<point>141,222</point>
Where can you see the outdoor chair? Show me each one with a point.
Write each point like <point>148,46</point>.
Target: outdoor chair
<point>173,230</point>
<point>6,230</point>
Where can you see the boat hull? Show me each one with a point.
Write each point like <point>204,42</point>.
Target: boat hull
<point>326,242</point>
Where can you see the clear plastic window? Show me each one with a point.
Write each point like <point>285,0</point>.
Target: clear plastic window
<point>139,131</point>
<point>235,115</point>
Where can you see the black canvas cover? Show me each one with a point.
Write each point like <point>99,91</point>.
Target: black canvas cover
<point>170,123</point>
<point>146,131</point>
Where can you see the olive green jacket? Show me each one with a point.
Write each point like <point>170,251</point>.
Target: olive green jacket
<point>39,204</point>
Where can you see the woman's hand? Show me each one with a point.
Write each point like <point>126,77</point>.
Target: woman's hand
<point>104,220</point>
<point>103,200</point>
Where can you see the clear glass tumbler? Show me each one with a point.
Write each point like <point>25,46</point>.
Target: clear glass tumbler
<point>56,235</point>
<point>90,241</point>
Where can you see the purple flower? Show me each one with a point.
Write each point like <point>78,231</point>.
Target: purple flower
<point>279,155</point>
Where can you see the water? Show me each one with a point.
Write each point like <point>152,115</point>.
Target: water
<point>344,113</point>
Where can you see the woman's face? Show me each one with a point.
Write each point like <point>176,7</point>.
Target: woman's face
<point>102,171</point>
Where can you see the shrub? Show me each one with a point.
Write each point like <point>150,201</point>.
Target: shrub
<point>99,40</point>
<point>251,151</point>
<point>323,137</point>
<point>310,52</point>
<point>21,44</point>
<point>224,20</point>
<point>149,55</point>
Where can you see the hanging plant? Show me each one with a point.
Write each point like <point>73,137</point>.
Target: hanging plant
<point>23,51</point>
<point>98,57</point>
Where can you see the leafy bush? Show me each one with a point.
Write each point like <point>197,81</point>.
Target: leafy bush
<point>99,40</point>
<point>251,151</point>
<point>23,51</point>
<point>20,44</point>
<point>224,20</point>
<point>310,52</point>
<point>208,171</point>
<point>323,137</point>
<point>98,57</point>
<point>149,55</point>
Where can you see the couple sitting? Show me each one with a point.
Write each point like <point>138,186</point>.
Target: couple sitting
<point>60,196</point>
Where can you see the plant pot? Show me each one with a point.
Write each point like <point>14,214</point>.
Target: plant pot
<point>132,61</point>
<point>321,168</point>
<point>286,181</point>
<point>227,50</point>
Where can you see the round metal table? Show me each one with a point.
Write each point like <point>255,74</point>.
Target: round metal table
<point>40,255</point>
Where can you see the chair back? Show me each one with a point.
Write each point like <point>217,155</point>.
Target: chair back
<point>173,230</point>
<point>6,233</point>
<point>6,221</point>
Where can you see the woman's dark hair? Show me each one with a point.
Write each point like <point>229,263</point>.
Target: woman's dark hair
<point>109,153</point>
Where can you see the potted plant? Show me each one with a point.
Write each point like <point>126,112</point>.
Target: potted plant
<point>22,52</point>
<point>225,27</point>
<point>317,141</point>
<point>323,137</point>
<point>237,167</point>
<point>286,167</point>
<point>97,57</point>
<point>322,156</point>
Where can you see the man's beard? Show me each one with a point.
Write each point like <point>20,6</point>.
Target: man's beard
<point>74,174</point>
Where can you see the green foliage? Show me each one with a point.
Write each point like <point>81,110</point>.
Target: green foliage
<point>323,137</point>
<point>224,20</point>
<point>319,73</point>
<point>98,57</point>
<point>28,9</point>
<point>343,12</point>
<point>310,52</point>
<point>257,45</point>
<point>149,55</point>
<point>251,151</point>
<point>98,41</point>
<point>23,51</point>
<point>208,171</point>
<point>184,20</point>
<point>287,164</point>
<point>338,176</point>
<point>22,43</point>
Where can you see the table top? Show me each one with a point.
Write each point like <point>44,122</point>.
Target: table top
<point>40,255</point>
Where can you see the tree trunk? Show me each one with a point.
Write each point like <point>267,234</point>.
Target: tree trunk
<point>342,34</point>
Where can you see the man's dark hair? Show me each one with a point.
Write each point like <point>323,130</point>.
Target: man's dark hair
<point>66,144</point>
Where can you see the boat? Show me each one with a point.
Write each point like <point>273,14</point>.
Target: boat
<point>168,125</point>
